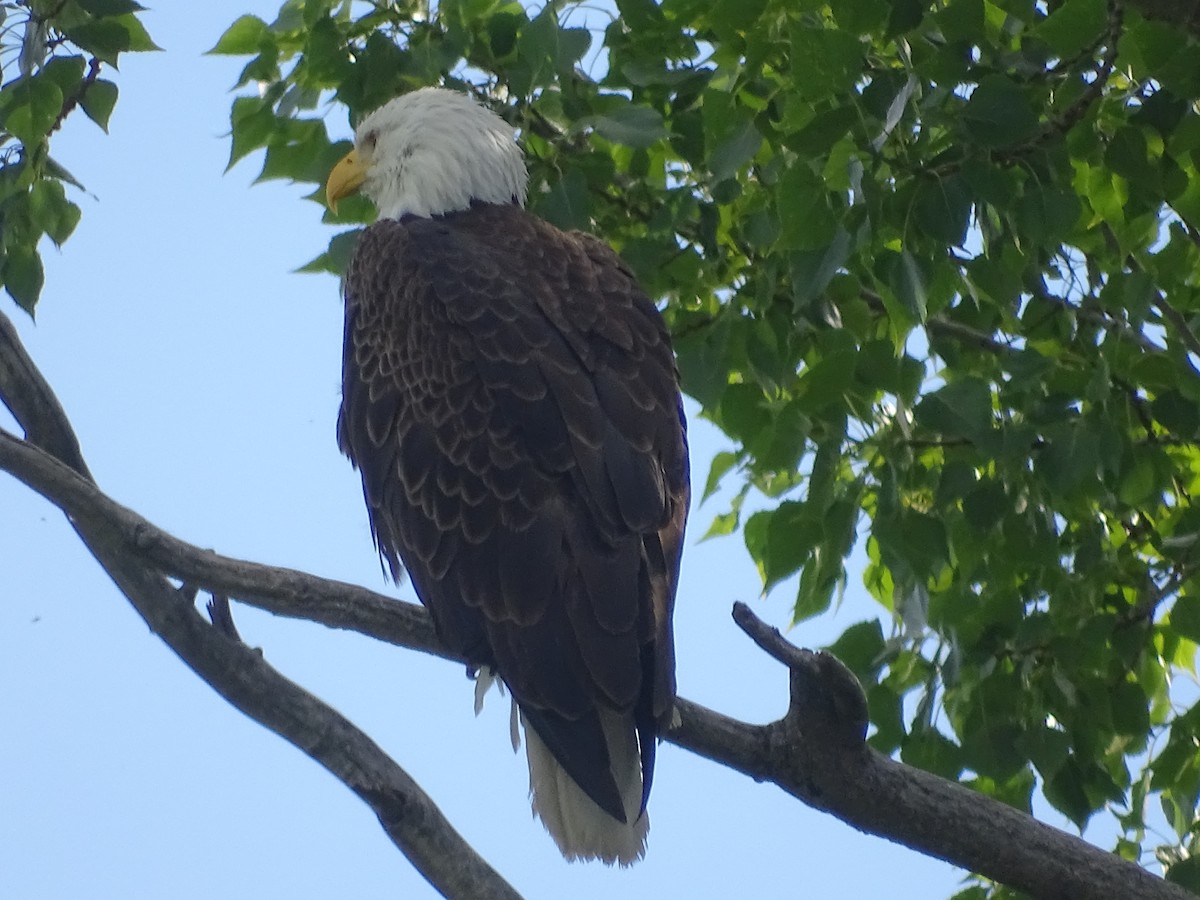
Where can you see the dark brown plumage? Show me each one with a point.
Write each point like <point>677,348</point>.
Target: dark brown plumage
<point>511,401</point>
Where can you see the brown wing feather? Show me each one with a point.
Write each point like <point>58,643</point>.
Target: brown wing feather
<point>510,399</point>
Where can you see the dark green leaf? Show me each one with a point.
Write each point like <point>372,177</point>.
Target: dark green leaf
<point>23,276</point>
<point>50,212</point>
<point>910,283</point>
<point>813,270</point>
<point>1186,873</point>
<point>1070,458</point>
<point>542,41</point>
<point>824,60</point>
<point>1074,26</point>
<point>942,209</point>
<point>337,257</point>
<point>252,125</point>
<point>928,750</point>
<point>1065,791</point>
<point>861,648</point>
<point>66,72</point>
<point>1048,214</point>
<point>634,126</point>
<point>1185,617</point>
<point>728,157</point>
<point>721,464</point>
<point>326,62</point>
<point>805,215</point>
<point>962,20</point>
<point>54,169</point>
<point>243,37</point>
<point>98,101</point>
<point>961,409</point>
<point>566,203</point>
<point>32,109</point>
<point>886,712</point>
<point>998,113</point>
<point>108,38</point>
<point>912,541</point>
<point>827,381</point>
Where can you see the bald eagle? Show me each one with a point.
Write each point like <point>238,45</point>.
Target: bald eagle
<point>511,401</point>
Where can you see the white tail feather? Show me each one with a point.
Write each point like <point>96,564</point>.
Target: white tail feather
<point>578,825</point>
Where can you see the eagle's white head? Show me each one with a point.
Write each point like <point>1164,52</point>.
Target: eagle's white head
<point>429,152</point>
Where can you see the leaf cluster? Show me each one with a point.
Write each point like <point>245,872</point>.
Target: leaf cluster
<point>57,51</point>
<point>932,267</point>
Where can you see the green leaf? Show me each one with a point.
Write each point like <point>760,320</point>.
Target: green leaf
<point>1185,873</point>
<point>326,61</point>
<point>792,532</point>
<point>252,122</point>
<point>1130,708</point>
<point>1065,791</point>
<point>722,462</point>
<point>243,37</point>
<point>927,749</point>
<point>336,258</point>
<point>50,212</point>
<point>32,109</point>
<point>565,203</point>
<point>805,215</point>
<point>912,540</point>
<point>961,409</point>
<point>633,126</point>
<point>542,41</point>
<point>728,157</point>
<point>1047,215</point>
<point>985,506</point>
<point>826,382</point>
<point>1074,26</point>
<point>23,276</point>
<point>98,101</point>
<point>998,113</point>
<point>54,169</point>
<point>962,20</point>
<point>108,38</point>
<point>909,283</point>
<point>1069,459</point>
<point>66,72</point>
<point>813,270</point>
<point>942,209</point>
<point>1185,617</point>
<point>887,715</point>
<point>861,648</point>
<point>824,60</point>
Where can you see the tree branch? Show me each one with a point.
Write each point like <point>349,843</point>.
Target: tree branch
<point>817,752</point>
<point>238,673</point>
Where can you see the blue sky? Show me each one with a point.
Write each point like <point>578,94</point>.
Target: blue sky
<point>202,377</point>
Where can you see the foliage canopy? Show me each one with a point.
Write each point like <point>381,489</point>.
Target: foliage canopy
<point>931,265</point>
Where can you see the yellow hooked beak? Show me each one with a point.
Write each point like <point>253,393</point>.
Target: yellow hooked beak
<point>344,179</point>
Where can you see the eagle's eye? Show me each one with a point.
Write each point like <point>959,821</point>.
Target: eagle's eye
<point>370,139</point>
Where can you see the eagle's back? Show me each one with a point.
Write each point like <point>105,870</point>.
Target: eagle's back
<point>511,401</point>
